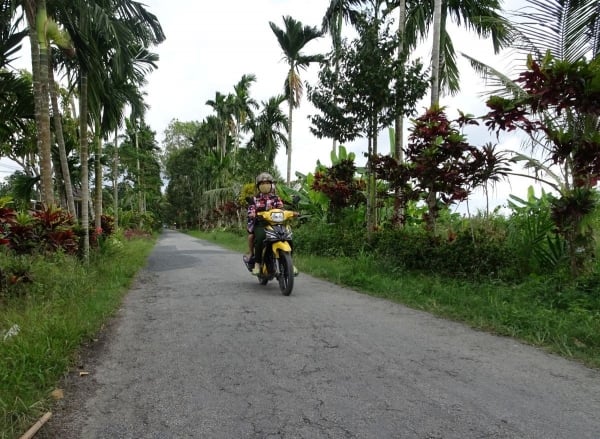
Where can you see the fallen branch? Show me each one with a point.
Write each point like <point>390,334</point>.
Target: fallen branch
<point>35,427</point>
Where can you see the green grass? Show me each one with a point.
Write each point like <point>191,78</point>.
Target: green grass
<point>63,307</point>
<point>569,327</point>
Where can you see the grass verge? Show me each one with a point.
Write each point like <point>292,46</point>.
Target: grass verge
<point>569,327</point>
<point>48,316</point>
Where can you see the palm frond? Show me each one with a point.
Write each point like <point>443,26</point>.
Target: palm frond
<point>500,84</point>
<point>562,27</point>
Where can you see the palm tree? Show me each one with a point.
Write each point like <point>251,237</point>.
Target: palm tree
<point>60,140</point>
<point>559,36</point>
<point>122,88</point>
<point>292,41</point>
<point>17,109</point>
<point>268,129</point>
<point>42,31</point>
<point>117,22</point>
<point>567,30</point>
<point>223,106</point>
<point>435,53</point>
<point>243,106</point>
<point>483,17</point>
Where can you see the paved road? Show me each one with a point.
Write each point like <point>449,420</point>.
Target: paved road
<point>201,350</point>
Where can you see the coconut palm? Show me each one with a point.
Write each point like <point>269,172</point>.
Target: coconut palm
<point>482,17</point>
<point>558,38</point>
<point>435,52</point>
<point>567,30</point>
<point>292,40</point>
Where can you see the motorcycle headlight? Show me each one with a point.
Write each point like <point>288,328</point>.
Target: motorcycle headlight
<point>277,217</point>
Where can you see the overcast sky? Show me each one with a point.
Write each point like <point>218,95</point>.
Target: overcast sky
<point>210,45</point>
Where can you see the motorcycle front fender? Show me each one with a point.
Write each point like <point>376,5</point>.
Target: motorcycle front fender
<point>281,246</point>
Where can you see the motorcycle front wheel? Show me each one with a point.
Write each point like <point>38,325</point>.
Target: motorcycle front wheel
<point>286,273</point>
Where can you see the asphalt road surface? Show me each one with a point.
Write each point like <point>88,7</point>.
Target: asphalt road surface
<point>200,350</point>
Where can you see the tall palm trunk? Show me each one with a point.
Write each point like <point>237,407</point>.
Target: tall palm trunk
<point>290,114</point>
<point>336,51</point>
<point>31,168</point>
<point>84,153</point>
<point>142,204</point>
<point>58,129</point>
<point>399,123</point>
<point>43,137</point>
<point>435,100</point>
<point>116,180</point>
<point>98,177</point>
<point>435,53</point>
<point>36,20</point>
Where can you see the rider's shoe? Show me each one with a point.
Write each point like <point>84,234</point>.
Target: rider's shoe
<point>256,270</point>
<point>295,270</point>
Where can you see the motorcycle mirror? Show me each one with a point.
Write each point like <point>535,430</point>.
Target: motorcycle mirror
<point>250,200</point>
<point>296,199</point>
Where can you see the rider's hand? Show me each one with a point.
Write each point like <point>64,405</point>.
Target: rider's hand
<point>296,213</point>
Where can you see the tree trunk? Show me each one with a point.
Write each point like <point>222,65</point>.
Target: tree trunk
<point>291,108</point>
<point>98,177</point>
<point>83,145</point>
<point>139,173</point>
<point>435,53</point>
<point>36,16</point>
<point>371,202</point>
<point>58,129</point>
<point>43,135</point>
<point>399,125</point>
<point>30,169</point>
<point>116,181</point>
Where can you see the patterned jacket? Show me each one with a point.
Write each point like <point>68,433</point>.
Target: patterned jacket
<point>261,203</point>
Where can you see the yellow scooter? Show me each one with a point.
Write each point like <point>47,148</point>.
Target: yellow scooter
<point>277,249</point>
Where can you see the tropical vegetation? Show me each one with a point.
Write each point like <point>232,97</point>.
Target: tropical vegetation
<point>92,171</point>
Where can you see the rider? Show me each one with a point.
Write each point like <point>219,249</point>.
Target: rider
<point>265,199</point>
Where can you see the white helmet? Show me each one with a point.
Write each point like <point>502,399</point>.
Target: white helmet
<point>261,179</point>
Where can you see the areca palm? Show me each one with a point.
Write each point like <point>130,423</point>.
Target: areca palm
<point>122,27</point>
<point>42,31</point>
<point>16,98</point>
<point>243,106</point>
<point>268,129</point>
<point>223,106</point>
<point>292,40</point>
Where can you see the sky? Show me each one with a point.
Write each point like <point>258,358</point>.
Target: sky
<point>210,45</point>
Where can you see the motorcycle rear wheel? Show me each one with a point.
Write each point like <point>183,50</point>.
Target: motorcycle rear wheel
<point>286,273</point>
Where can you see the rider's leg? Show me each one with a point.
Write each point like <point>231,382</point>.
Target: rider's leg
<point>250,245</point>
<point>259,237</point>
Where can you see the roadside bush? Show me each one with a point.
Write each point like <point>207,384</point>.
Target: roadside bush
<point>329,239</point>
<point>454,254</point>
